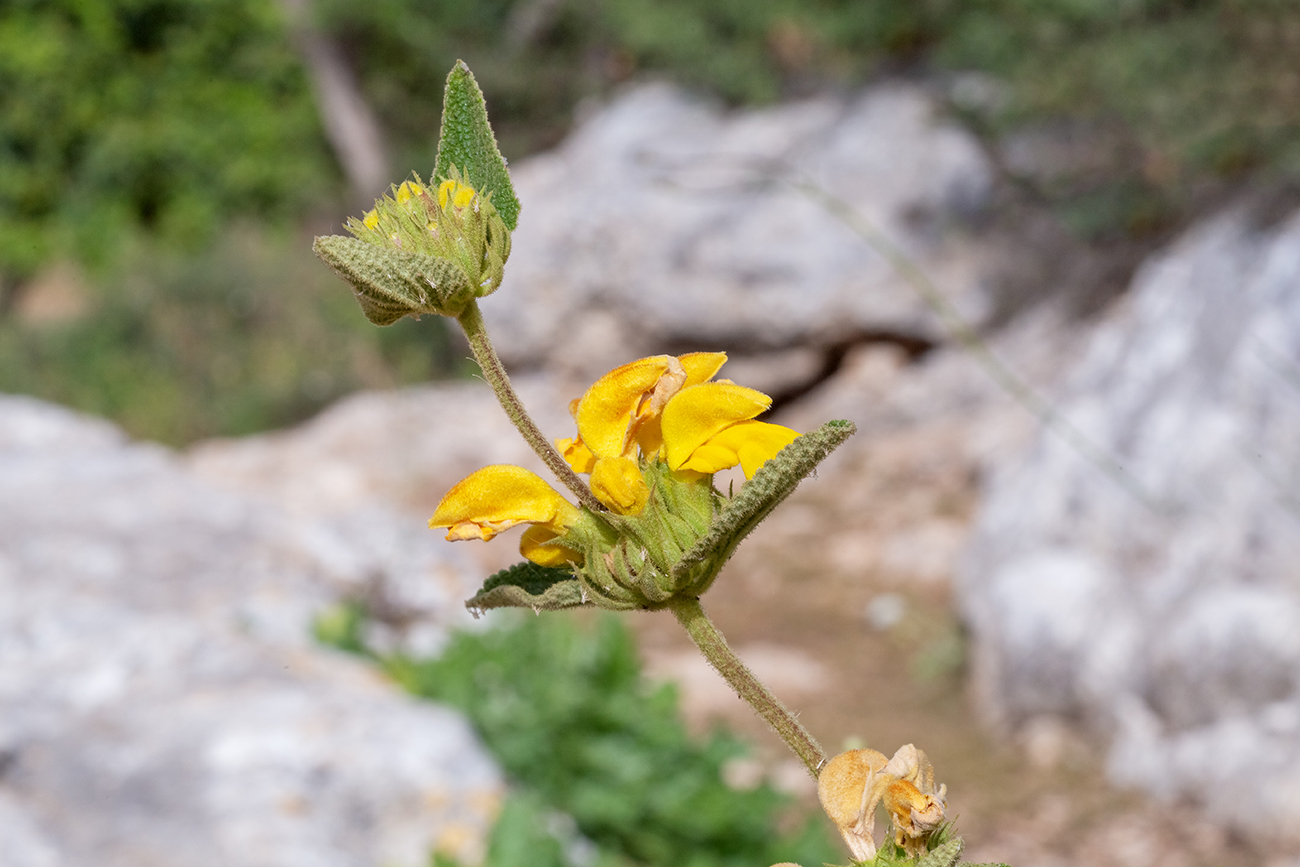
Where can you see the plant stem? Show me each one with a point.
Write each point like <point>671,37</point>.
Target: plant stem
<point>690,614</point>
<point>471,321</point>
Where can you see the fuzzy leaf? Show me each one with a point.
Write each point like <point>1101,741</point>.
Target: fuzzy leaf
<point>943,856</point>
<point>391,283</point>
<point>466,142</point>
<point>773,482</point>
<point>528,585</point>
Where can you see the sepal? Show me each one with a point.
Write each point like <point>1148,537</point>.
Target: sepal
<point>945,855</point>
<point>391,283</point>
<point>528,585</point>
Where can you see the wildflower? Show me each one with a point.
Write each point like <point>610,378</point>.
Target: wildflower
<point>854,783</point>
<point>501,496</point>
<point>651,433</point>
<point>667,408</point>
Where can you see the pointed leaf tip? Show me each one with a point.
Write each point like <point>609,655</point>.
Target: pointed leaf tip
<point>466,141</point>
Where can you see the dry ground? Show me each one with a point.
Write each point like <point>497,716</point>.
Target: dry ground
<point>842,603</point>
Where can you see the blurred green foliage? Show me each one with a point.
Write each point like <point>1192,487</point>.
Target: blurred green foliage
<point>246,334</point>
<point>567,713</point>
<point>529,833</point>
<point>169,116</point>
<point>136,131</point>
<point>1177,100</point>
<point>1196,87</point>
<point>176,115</point>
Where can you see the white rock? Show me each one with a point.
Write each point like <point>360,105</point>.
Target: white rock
<point>661,224</point>
<point>1165,608</point>
<point>161,699</point>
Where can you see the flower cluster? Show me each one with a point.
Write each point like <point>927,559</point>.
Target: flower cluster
<point>667,408</point>
<point>655,424</point>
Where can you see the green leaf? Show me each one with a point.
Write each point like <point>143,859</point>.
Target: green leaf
<point>773,482</point>
<point>528,585</point>
<point>466,142</point>
<point>392,283</point>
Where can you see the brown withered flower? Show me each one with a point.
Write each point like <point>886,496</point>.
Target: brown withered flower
<point>853,783</point>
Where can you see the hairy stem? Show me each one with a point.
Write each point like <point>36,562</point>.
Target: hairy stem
<point>713,645</point>
<point>471,321</point>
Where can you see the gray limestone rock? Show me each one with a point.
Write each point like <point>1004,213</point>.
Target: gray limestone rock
<point>161,699</point>
<point>661,223</point>
<point>405,447</point>
<point>376,451</point>
<point>1163,607</point>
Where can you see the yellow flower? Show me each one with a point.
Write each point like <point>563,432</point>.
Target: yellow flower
<point>666,405</point>
<point>407,190</point>
<point>709,427</point>
<point>459,194</point>
<point>663,408</point>
<point>500,496</point>
<point>609,417</point>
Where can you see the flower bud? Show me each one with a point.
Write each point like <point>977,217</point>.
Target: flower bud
<point>421,251</point>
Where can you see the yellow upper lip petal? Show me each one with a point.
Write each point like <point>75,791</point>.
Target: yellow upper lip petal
<point>748,443</point>
<point>701,366</point>
<point>606,412</point>
<point>699,412</point>
<point>498,497</point>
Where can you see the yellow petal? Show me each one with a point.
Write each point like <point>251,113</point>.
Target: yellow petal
<point>533,545</point>
<point>701,366</point>
<point>618,483</point>
<point>606,411</point>
<point>696,367</point>
<point>459,194</point>
<point>406,191</point>
<point>498,497</point>
<point>748,443</point>
<point>576,454</point>
<point>699,412</point>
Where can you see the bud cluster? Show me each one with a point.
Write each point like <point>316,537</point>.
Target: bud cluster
<point>421,250</point>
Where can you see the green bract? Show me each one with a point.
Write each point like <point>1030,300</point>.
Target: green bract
<point>466,142</point>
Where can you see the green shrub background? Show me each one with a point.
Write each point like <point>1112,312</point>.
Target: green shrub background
<point>146,141</point>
